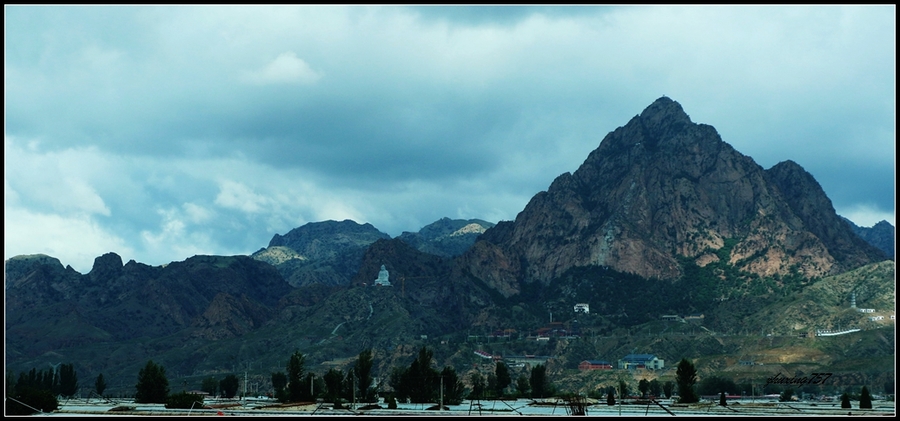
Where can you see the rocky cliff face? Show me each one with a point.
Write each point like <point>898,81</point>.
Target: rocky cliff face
<point>662,187</point>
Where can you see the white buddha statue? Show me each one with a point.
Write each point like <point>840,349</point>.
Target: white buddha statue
<point>383,277</point>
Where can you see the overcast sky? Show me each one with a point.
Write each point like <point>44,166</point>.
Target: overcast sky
<point>159,133</point>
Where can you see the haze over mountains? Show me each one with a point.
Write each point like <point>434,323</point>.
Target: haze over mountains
<point>662,206</point>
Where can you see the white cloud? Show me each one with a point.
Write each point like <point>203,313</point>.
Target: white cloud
<point>74,240</point>
<point>287,68</point>
<point>865,215</point>
<point>235,195</point>
<point>197,214</point>
<point>61,180</point>
<point>174,241</point>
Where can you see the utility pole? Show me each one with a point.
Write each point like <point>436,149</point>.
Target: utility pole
<point>441,403</point>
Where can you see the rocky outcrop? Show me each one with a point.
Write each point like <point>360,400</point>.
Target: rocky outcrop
<point>327,252</point>
<point>446,237</point>
<point>328,239</point>
<point>660,188</point>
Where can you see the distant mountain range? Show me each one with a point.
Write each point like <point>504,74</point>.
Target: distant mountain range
<point>330,252</point>
<point>662,218</point>
<point>881,235</point>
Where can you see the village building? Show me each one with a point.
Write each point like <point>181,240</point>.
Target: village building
<point>633,361</point>
<point>594,365</point>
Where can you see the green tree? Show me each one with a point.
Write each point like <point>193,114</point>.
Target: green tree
<point>686,377</point>
<point>523,386</point>
<point>363,372</point>
<point>295,377</point>
<point>398,383</point>
<point>492,384</point>
<point>152,385</point>
<point>540,386</point>
<point>623,389</point>
<point>503,379</point>
<point>865,400</point>
<point>279,382</point>
<point>453,386</point>
<point>210,385</point>
<point>29,400</point>
<point>786,396</point>
<point>350,386</point>
<point>68,380</point>
<point>477,386</point>
<point>421,379</point>
<point>668,388</point>
<point>714,385</point>
<point>229,386</point>
<point>334,381</point>
<point>644,387</point>
<point>316,385</point>
<point>655,388</point>
<point>100,384</point>
<point>184,400</point>
<point>845,401</point>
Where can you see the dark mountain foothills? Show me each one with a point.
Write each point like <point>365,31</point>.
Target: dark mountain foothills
<point>663,218</point>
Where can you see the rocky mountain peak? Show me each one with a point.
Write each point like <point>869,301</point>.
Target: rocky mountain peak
<point>107,266</point>
<point>664,113</point>
<point>662,188</point>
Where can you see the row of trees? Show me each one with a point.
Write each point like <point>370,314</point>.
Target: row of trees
<point>37,391</point>
<point>420,382</point>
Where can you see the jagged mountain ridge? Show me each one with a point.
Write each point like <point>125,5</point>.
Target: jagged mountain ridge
<point>661,187</point>
<point>881,235</point>
<point>50,308</point>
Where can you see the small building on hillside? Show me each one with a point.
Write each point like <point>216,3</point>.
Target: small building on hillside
<point>582,308</point>
<point>633,361</point>
<point>594,365</point>
<point>670,317</point>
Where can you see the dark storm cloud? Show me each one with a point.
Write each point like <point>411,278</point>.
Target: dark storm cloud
<point>502,15</point>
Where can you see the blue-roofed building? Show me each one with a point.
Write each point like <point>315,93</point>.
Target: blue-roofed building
<point>633,361</point>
